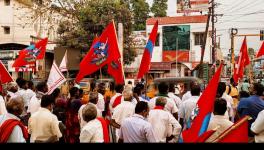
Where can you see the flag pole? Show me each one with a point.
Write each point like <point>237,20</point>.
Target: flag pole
<point>238,124</point>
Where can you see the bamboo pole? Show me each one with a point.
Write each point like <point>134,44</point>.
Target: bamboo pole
<point>235,126</point>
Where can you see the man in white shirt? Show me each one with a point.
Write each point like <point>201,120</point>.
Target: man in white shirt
<point>136,129</point>
<point>43,125</point>
<point>2,105</point>
<point>257,128</point>
<point>172,95</point>
<point>22,84</point>
<point>101,93</point>
<point>118,89</point>
<point>170,105</point>
<point>188,94</point>
<point>15,108</point>
<point>123,110</point>
<point>34,103</point>
<point>229,100</point>
<point>218,121</point>
<point>11,90</point>
<point>165,126</point>
<point>185,112</point>
<point>93,99</point>
<point>92,132</point>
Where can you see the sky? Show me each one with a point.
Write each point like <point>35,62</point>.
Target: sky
<point>246,15</point>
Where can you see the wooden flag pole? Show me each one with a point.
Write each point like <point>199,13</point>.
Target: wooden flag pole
<point>238,124</point>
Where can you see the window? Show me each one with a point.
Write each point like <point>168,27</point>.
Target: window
<point>7,30</point>
<point>7,2</point>
<point>157,43</point>
<point>198,38</point>
<point>176,37</point>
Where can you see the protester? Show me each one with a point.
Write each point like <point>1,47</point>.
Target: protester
<point>165,126</point>
<point>257,128</point>
<point>188,94</point>
<point>101,102</point>
<point>187,107</point>
<point>72,122</point>
<point>117,97</point>
<point>229,100</point>
<point>170,105</point>
<point>136,129</point>
<point>43,125</point>
<point>245,86</point>
<point>23,86</point>
<point>232,90</point>
<point>123,110</point>
<point>11,90</point>
<point>93,100</point>
<point>34,103</point>
<point>92,131</point>
<point>172,95</point>
<point>218,121</point>
<point>252,105</point>
<point>11,129</point>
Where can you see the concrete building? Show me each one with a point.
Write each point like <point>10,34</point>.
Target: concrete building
<point>23,22</point>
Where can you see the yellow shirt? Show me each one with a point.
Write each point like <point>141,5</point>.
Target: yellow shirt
<point>234,94</point>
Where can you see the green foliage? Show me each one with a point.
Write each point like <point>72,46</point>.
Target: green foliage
<point>140,9</point>
<point>92,18</point>
<point>159,8</point>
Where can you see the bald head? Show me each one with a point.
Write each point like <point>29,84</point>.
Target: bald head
<point>161,101</point>
<point>93,97</point>
<point>15,106</point>
<point>89,112</point>
<point>127,94</point>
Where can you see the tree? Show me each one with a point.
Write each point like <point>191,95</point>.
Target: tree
<point>140,9</point>
<point>159,8</point>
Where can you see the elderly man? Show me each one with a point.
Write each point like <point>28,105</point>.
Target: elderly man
<point>11,129</point>
<point>136,129</point>
<point>43,125</point>
<point>11,90</point>
<point>165,126</point>
<point>93,99</point>
<point>170,105</point>
<point>123,110</point>
<point>92,131</point>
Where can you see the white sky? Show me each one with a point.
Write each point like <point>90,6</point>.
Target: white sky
<point>246,15</point>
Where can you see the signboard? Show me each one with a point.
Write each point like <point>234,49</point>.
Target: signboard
<point>27,68</point>
<point>160,66</point>
<point>170,56</point>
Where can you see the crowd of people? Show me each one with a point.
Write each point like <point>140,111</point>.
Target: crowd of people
<point>122,113</point>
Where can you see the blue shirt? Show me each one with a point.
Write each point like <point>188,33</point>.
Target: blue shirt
<point>250,106</point>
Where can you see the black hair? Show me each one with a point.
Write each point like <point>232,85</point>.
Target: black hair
<point>195,90</point>
<point>47,100</point>
<point>243,94</point>
<point>221,89</point>
<point>73,91</point>
<point>30,84</point>
<point>41,86</point>
<point>56,93</point>
<point>18,80</point>
<point>137,90</point>
<point>163,88</point>
<point>172,88</point>
<point>220,106</point>
<point>141,106</point>
<point>21,83</point>
<point>129,82</point>
<point>259,88</point>
<point>119,88</point>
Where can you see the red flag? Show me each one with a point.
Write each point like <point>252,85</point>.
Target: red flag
<point>261,51</point>
<point>31,54</point>
<point>146,59</point>
<point>237,133</point>
<point>203,110</point>
<point>205,136</point>
<point>242,62</point>
<point>115,69</point>
<point>104,51</point>
<point>5,77</point>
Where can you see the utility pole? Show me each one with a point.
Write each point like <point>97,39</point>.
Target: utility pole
<point>232,34</point>
<point>213,31</point>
